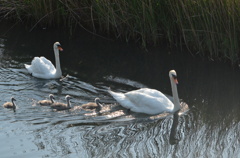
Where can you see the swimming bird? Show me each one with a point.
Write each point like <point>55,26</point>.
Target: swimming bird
<point>150,101</point>
<point>43,68</point>
<point>10,104</point>
<point>93,105</point>
<point>62,106</point>
<point>47,102</point>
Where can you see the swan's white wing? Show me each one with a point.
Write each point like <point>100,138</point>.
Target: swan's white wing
<point>149,103</point>
<point>151,92</point>
<point>48,64</point>
<point>121,99</point>
<point>142,102</point>
<point>28,67</point>
<point>41,68</point>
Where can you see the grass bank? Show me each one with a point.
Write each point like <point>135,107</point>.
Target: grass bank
<point>206,27</point>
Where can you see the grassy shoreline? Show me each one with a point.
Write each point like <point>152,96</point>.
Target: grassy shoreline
<point>206,27</point>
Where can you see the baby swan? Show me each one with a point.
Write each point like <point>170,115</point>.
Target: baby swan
<point>90,106</point>
<point>62,106</point>
<point>47,102</point>
<point>10,104</point>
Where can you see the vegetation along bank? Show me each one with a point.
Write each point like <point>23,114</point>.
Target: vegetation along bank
<point>206,27</point>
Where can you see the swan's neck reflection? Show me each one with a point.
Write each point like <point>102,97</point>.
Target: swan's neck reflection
<point>173,135</point>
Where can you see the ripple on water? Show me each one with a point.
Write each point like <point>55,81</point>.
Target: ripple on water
<point>114,132</point>
<point>47,128</point>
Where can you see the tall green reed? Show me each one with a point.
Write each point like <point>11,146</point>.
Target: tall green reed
<point>206,27</point>
<point>209,27</point>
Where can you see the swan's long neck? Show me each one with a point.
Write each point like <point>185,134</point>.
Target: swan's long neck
<point>176,101</point>
<point>51,98</point>
<point>14,106</point>
<point>57,63</point>
<point>68,102</point>
<point>99,105</point>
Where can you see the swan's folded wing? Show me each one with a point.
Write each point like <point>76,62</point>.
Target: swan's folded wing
<point>121,99</point>
<point>149,104</point>
<point>151,92</point>
<point>28,67</point>
<point>40,66</point>
<point>138,101</point>
<point>48,64</point>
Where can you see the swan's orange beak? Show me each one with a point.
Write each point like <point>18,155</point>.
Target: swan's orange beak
<point>175,80</point>
<point>174,77</point>
<point>60,48</point>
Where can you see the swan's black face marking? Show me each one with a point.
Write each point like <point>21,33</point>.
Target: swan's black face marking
<point>174,76</point>
<point>59,47</point>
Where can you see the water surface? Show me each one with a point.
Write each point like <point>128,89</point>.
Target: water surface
<point>209,129</point>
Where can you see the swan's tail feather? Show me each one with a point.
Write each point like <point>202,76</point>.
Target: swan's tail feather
<point>117,96</point>
<point>28,67</point>
<point>121,99</point>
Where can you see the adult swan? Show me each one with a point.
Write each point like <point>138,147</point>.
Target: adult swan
<point>43,68</point>
<point>150,101</point>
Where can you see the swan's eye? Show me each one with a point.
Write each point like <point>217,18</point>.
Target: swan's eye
<point>174,76</point>
<point>59,47</point>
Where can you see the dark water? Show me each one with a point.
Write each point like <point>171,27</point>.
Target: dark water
<point>210,128</point>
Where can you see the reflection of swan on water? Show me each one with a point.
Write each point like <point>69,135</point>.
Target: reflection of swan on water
<point>47,102</point>
<point>150,101</point>
<point>43,68</point>
<point>62,106</point>
<point>173,140</point>
<point>10,104</point>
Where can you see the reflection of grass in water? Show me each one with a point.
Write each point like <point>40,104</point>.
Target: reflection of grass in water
<point>206,27</point>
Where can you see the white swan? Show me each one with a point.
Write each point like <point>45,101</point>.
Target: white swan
<point>43,68</point>
<point>150,101</point>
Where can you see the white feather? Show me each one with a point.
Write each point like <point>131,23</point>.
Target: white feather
<point>149,101</point>
<point>43,68</point>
